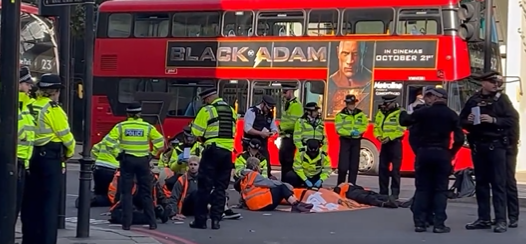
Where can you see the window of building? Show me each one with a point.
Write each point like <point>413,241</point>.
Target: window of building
<point>186,100</point>
<point>238,23</point>
<point>271,88</point>
<point>323,22</point>
<point>235,93</point>
<point>119,25</point>
<point>314,91</point>
<point>419,22</point>
<point>289,23</point>
<point>196,24</point>
<point>152,25</point>
<point>367,21</point>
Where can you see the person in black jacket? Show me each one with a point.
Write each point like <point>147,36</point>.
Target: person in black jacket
<point>434,156</point>
<point>488,136</point>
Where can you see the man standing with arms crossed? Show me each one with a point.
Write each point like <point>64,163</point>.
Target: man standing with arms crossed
<point>292,111</point>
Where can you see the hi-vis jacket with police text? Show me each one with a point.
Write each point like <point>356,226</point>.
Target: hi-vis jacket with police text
<point>51,124</point>
<point>241,163</point>
<point>348,121</point>
<point>103,156</point>
<point>133,137</point>
<point>216,123</point>
<point>305,130</point>
<point>185,185</point>
<point>26,130</point>
<point>255,189</point>
<point>306,167</point>
<point>169,158</point>
<point>292,111</point>
<point>387,125</point>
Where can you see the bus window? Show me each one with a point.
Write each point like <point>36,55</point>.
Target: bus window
<point>271,88</point>
<point>313,91</point>
<point>467,88</point>
<point>289,23</point>
<point>235,93</point>
<point>238,23</point>
<point>196,24</point>
<point>186,101</point>
<point>322,22</point>
<point>419,22</point>
<point>119,25</point>
<point>127,90</point>
<point>366,21</point>
<point>151,25</point>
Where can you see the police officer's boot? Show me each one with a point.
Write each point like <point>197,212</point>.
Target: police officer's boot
<point>500,227</point>
<point>514,223</point>
<point>215,225</point>
<point>479,225</point>
<point>198,225</point>
<point>441,229</point>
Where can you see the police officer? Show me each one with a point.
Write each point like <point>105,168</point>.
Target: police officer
<point>291,112</point>
<point>54,143</point>
<point>260,124</point>
<point>215,127</point>
<point>434,155</point>
<point>489,138</point>
<point>511,182</point>
<point>310,126</point>
<point>133,137</point>
<point>389,132</point>
<point>351,123</point>
<point>105,167</point>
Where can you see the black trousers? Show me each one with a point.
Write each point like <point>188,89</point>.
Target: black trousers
<point>188,208</point>
<point>489,161</point>
<point>20,183</point>
<point>278,193</point>
<point>296,182</point>
<point>136,167</point>
<point>362,196</point>
<point>413,143</point>
<point>214,173</point>
<point>432,171</point>
<point>42,196</point>
<point>511,182</point>
<point>390,154</point>
<point>102,178</point>
<point>286,155</point>
<point>349,159</point>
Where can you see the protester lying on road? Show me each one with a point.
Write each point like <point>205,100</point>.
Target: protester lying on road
<point>363,196</point>
<point>264,194</point>
<point>183,196</point>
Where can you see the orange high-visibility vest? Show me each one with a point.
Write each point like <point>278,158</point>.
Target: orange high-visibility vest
<point>256,198</point>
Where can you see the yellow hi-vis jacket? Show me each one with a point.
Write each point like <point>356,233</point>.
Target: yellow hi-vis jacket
<point>306,167</point>
<point>133,137</point>
<point>216,123</point>
<point>388,125</point>
<point>169,158</point>
<point>103,156</point>
<point>348,122</point>
<point>304,130</point>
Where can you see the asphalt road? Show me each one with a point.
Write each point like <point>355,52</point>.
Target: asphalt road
<point>366,226</point>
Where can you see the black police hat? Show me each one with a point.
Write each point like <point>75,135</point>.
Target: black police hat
<point>25,75</point>
<point>254,143</point>
<point>439,92</point>
<point>269,101</point>
<point>208,92</point>
<point>187,131</point>
<point>350,99</point>
<point>134,108</point>
<point>288,87</point>
<point>312,106</point>
<point>313,145</point>
<point>50,81</point>
<point>492,76</point>
<point>389,98</point>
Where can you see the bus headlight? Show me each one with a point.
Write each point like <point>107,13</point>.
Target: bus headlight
<point>277,142</point>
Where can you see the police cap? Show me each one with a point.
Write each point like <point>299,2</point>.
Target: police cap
<point>350,99</point>
<point>134,108</point>
<point>288,87</point>
<point>25,75</point>
<point>492,76</point>
<point>269,101</point>
<point>50,81</point>
<point>312,106</point>
<point>187,131</point>
<point>389,98</point>
<point>254,143</point>
<point>208,92</point>
<point>313,145</point>
<point>439,92</point>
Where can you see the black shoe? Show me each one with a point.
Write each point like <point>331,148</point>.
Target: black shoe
<point>420,229</point>
<point>197,225</point>
<point>215,225</point>
<point>153,227</point>
<point>514,223</point>
<point>479,225</point>
<point>440,230</point>
<point>500,227</point>
<point>230,214</point>
<point>394,196</point>
<point>126,227</point>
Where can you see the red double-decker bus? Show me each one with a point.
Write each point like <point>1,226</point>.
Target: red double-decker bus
<point>165,52</point>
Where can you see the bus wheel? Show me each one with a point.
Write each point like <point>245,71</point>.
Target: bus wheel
<point>369,158</point>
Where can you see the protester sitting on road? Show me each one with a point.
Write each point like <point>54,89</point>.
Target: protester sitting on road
<point>363,196</point>
<point>252,151</point>
<point>263,194</point>
<point>311,166</point>
<point>177,154</point>
<point>139,217</point>
<point>184,193</point>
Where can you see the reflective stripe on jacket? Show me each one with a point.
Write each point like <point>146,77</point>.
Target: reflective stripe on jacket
<point>255,197</point>
<point>304,130</point>
<point>216,123</point>
<point>305,167</point>
<point>133,136</point>
<point>388,125</point>
<point>346,122</point>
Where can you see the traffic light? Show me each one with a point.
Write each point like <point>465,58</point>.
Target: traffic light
<point>470,17</point>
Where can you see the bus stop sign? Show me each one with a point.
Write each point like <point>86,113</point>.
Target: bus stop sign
<point>52,3</point>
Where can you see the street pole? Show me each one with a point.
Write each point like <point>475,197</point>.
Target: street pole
<point>488,28</point>
<point>65,98</point>
<point>10,65</point>
<point>86,162</point>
